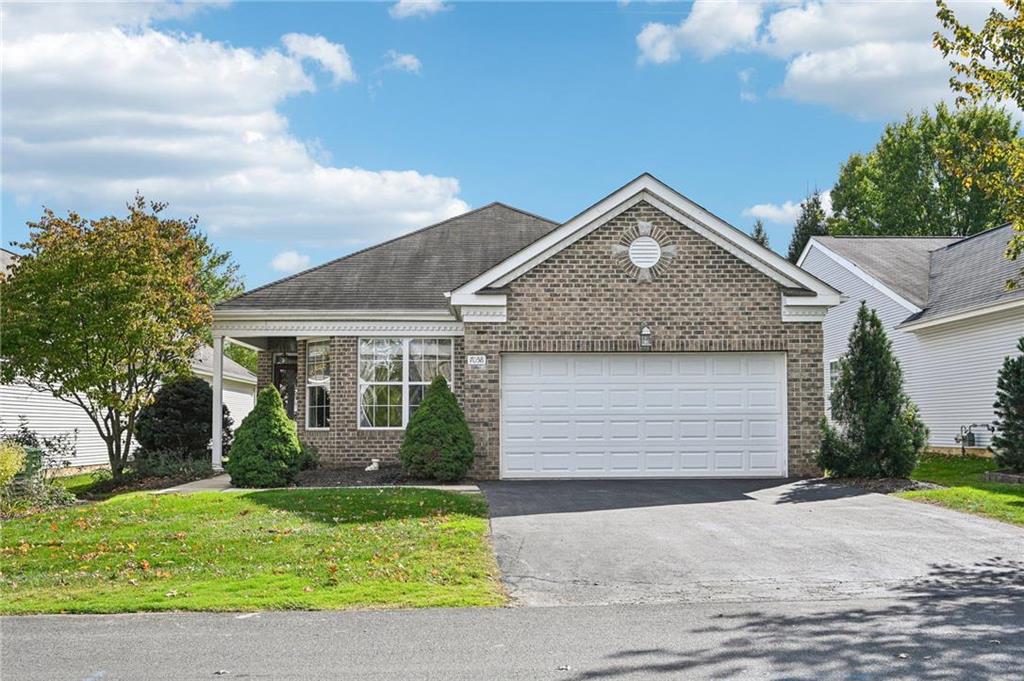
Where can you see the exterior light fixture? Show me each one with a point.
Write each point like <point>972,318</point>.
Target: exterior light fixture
<point>646,338</point>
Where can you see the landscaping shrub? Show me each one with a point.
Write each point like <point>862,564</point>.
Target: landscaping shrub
<point>437,442</point>
<point>266,450</point>
<point>12,458</point>
<point>877,432</point>
<point>309,457</point>
<point>1008,440</point>
<point>167,463</point>
<point>179,420</point>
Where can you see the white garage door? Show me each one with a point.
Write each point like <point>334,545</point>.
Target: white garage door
<point>643,415</point>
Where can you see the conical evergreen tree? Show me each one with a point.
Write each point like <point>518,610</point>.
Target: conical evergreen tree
<point>759,234</point>
<point>437,442</point>
<point>266,449</point>
<point>812,222</point>
<point>1008,440</point>
<point>877,432</point>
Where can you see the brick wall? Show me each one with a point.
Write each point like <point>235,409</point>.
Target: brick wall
<point>706,300</point>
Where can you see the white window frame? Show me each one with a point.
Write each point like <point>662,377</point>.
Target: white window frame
<point>316,384</point>
<point>833,374</point>
<point>360,383</point>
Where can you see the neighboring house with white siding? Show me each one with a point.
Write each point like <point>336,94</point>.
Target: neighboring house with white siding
<point>49,416</point>
<point>946,309</point>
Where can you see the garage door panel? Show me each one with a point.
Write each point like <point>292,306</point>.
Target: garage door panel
<point>643,415</point>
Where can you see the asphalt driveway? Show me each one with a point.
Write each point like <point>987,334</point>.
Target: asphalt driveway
<point>604,542</point>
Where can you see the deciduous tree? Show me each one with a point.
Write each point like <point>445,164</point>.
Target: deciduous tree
<point>98,312</point>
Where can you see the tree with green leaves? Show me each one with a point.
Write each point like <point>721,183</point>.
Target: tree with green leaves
<point>875,430</point>
<point>909,185</point>
<point>266,451</point>
<point>987,67</point>
<point>812,222</point>
<point>759,234</point>
<point>437,442</point>
<point>179,420</point>
<point>1008,439</point>
<point>220,279</point>
<point>99,312</point>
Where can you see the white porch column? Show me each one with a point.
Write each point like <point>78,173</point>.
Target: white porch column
<point>218,402</point>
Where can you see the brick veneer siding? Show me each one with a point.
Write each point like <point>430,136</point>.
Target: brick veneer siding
<point>344,444</point>
<point>706,300</point>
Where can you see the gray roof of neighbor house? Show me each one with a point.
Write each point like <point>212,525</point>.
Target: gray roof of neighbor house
<point>411,272</point>
<point>202,362</point>
<point>941,275</point>
<point>971,273</point>
<point>901,263</point>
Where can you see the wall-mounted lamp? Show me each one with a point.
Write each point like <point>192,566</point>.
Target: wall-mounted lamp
<point>646,337</point>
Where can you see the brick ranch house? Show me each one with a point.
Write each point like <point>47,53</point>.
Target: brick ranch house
<point>644,337</point>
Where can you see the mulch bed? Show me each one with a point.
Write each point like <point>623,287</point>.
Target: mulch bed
<point>886,485</point>
<point>356,477</point>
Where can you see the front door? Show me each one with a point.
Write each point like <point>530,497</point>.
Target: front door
<point>286,368</point>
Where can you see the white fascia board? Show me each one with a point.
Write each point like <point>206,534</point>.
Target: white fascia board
<point>320,328</point>
<point>227,377</point>
<point>479,300</point>
<point>859,273</point>
<point>338,315</point>
<point>960,316</point>
<point>648,188</point>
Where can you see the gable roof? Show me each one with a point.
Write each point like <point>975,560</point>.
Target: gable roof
<point>944,277</point>
<point>202,363</point>
<point>412,272</point>
<point>900,263</point>
<point>970,274</point>
<point>648,188</point>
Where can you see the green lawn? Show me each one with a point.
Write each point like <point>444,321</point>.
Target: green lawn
<point>79,484</point>
<point>302,549</point>
<point>966,490</point>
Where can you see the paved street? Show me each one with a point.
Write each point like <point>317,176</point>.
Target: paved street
<point>646,541</point>
<point>945,629</point>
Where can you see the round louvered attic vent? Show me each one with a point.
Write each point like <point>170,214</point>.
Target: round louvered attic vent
<point>644,252</point>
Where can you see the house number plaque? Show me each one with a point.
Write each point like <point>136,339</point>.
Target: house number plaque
<point>476,360</point>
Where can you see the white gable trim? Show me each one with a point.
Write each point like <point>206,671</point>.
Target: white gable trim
<point>647,188</point>
<point>857,272</point>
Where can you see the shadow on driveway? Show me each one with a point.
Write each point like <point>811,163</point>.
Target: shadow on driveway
<point>966,623</point>
<point>533,497</point>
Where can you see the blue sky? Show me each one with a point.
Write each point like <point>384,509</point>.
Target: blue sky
<point>299,132</point>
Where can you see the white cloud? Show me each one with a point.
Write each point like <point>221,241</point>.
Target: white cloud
<point>93,114</point>
<point>289,262</point>
<point>404,9</point>
<point>403,62</point>
<point>867,59</point>
<point>785,213</point>
<point>710,29</point>
<point>747,93</point>
<point>332,57</point>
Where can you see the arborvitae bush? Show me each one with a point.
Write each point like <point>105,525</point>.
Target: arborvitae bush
<point>875,430</point>
<point>1008,440</point>
<point>266,451</point>
<point>179,420</point>
<point>437,442</point>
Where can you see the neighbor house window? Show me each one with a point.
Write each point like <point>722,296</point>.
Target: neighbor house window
<point>318,385</point>
<point>394,374</point>
<point>833,375</point>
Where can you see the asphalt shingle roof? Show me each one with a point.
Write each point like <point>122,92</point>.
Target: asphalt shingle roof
<point>202,362</point>
<point>412,272</point>
<point>971,273</point>
<point>901,263</point>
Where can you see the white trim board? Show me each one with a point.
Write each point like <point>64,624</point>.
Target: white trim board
<point>650,189</point>
<point>960,316</point>
<point>321,328</point>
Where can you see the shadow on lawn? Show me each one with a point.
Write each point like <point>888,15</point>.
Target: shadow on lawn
<point>959,622</point>
<point>365,505</point>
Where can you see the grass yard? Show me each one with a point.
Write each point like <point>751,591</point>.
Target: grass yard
<point>79,484</point>
<point>966,490</point>
<point>301,549</point>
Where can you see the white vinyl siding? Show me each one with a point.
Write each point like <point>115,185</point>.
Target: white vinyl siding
<point>656,415</point>
<point>949,371</point>
<point>49,416</point>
